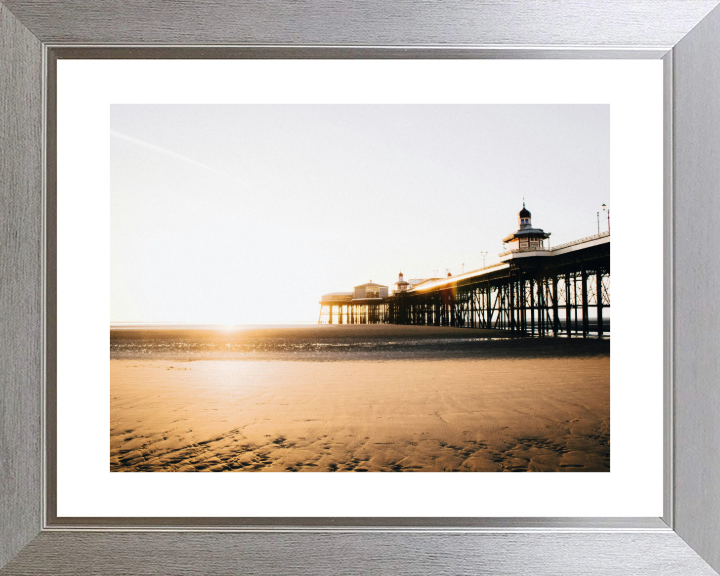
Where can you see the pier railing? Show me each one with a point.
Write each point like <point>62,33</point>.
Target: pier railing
<point>580,241</point>
<point>559,246</point>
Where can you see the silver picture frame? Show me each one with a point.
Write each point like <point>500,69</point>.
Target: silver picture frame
<point>685,34</point>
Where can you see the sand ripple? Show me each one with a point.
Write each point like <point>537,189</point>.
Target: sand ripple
<point>501,453</point>
<point>536,414</point>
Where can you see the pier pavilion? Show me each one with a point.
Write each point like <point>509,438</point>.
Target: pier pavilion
<point>534,290</point>
<point>356,307</point>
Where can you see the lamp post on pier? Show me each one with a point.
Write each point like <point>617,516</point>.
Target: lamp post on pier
<point>608,215</point>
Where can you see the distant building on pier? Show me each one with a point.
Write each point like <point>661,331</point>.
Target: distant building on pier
<point>370,291</point>
<point>401,285</point>
<point>526,238</point>
<point>338,297</point>
<point>354,307</point>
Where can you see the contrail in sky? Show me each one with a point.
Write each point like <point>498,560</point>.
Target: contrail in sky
<point>167,152</point>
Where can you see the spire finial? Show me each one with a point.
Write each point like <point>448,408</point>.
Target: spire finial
<point>523,201</point>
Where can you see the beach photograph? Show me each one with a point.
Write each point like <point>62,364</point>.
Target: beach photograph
<point>360,288</point>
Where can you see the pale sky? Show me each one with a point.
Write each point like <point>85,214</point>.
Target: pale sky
<point>241,214</point>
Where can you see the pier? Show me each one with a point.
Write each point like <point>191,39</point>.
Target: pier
<point>534,290</point>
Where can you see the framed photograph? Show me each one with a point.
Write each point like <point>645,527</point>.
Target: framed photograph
<point>502,366</point>
<point>242,242</point>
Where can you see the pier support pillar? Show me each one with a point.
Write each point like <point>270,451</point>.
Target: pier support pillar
<point>556,320</point>
<point>512,305</point>
<point>568,304</point>
<point>542,307</point>
<point>488,297</point>
<point>523,303</point>
<point>598,290</point>
<point>532,306</point>
<point>585,324</point>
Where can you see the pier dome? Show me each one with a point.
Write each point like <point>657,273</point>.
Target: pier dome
<point>524,217</point>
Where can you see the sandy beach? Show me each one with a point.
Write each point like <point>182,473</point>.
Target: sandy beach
<point>340,398</point>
